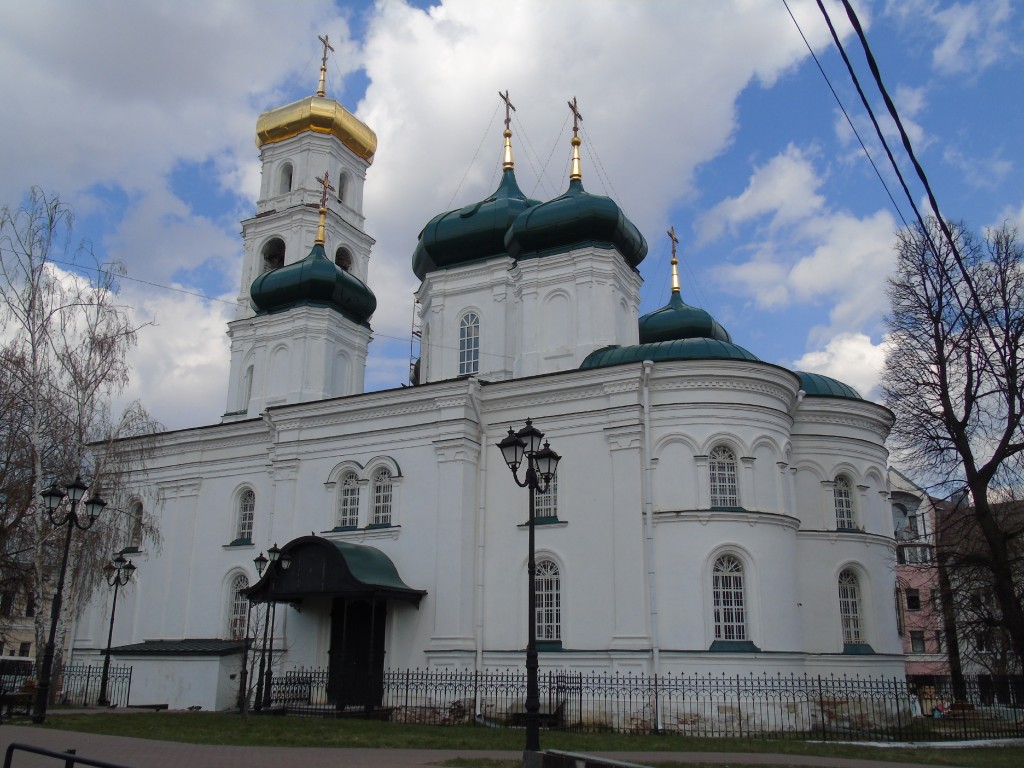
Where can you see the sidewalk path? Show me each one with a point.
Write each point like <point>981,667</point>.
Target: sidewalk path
<point>143,753</point>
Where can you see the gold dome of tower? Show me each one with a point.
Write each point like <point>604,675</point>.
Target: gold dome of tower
<point>320,115</point>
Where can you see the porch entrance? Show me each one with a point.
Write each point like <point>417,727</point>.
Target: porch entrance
<point>356,655</point>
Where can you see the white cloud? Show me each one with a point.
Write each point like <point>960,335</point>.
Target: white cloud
<point>974,36</point>
<point>180,366</point>
<point>802,251</point>
<point>851,358</point>
<point>785,187</point>
<point>965,37</point>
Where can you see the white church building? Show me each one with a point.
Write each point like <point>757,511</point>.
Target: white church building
<point>712,512</point>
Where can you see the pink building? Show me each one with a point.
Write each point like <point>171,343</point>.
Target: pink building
<point>918,597</point>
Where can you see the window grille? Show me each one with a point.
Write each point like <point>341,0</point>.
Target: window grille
<point>383,488</point>
<point>730,616</point>
<point>849,607</point>
<point>722,469</point>
<point>546,504</point>
<point>549,601</point>
<point>246,514</point>
<point>844,503</point>
<point>469,344</point>
<point>348,501</point>
<point>239,607</point>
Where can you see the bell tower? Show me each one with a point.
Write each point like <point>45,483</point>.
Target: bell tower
<point>296,211</point>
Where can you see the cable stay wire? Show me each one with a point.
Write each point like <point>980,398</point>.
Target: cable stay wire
<point>533,159</point>
<point>472,162</point>
<point>846,114</point>
<point>551,154</point>
<point>894,114</point>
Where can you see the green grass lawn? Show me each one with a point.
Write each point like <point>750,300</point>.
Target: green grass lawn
<point>218,728</point>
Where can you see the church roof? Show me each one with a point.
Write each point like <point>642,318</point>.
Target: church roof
<point>678,320</point>
<point>576,218</point>
<point>471,233</point>
<point>667,351</point>
<point>319,115</point>
<point>318,281</point>
<point>817,385</point>
<point>322,567</point>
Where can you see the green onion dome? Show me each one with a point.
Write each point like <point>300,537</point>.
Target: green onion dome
<point>317,281</point>
<point>472,233</point>
<point>678,320</point>
<point>575,219</point>
<point>667,351</point>
<point>816,385</point>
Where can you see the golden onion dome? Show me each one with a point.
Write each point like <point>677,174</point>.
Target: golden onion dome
<point>320,115</point>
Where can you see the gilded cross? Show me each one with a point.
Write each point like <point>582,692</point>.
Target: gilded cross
<point>675,240</point>
<point>509,108</point>
<point>325,182</point>
<point>576,117</point>
<point>327,47</point>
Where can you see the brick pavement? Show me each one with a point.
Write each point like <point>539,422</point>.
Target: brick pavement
<point>142,753</point>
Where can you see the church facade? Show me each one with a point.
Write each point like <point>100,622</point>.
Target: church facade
<point>712,512</point>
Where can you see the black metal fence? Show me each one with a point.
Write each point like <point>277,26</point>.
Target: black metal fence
<point>780,706</point>
<point>78,684</point>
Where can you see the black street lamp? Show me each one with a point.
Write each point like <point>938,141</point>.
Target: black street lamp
<point>541,464</point>
<point>53,498</point>
<point>278,564</point>
<point>117,573</point>
<point>243,687</point>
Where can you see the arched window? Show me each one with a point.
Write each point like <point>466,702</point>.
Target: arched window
<point>135,526</point>
<point>273,254</point>
<point>850,607</point>
<point>246,515</point>
<point>727,586</point>
<point>285,185</point>
<point>469,344</point>
<point>343,258</point>
<point>348,501</point>
<point>722,475</point>
<point>342,186</point>
<point>548,584</point>
<point>239,607</point>
<point>546,504</point>
<point>844,502</point>
<point>383,487</point>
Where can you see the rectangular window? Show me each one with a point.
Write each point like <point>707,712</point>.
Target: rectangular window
<point>913,600</point>
<point>546,504</point>
<point>25,649</point>
<point>917,641</point>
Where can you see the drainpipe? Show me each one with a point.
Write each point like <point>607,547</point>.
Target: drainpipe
<point>478,565</point>
<point>645,394</point>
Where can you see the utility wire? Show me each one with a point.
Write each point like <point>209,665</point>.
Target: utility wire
<point>894,114</point>
<point>846,114</point>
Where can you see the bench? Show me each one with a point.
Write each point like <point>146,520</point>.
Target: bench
<point>16,700</point>
<point>547,716</point>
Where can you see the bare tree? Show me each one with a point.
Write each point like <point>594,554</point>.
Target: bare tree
<point>952,377</point>
<point>64,358</point>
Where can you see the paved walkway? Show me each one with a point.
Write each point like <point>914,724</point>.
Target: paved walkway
<point>142,753</point>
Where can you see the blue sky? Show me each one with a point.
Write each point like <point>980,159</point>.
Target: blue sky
<point>706,115</point>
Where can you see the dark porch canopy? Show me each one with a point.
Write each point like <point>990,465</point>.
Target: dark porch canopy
<point>323,568</point>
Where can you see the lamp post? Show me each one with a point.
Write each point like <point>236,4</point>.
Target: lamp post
<point>53,499</point>
<point>278,564</point>
<point>243,687</point>
<point>117,573</point>
<point>541,463</point>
